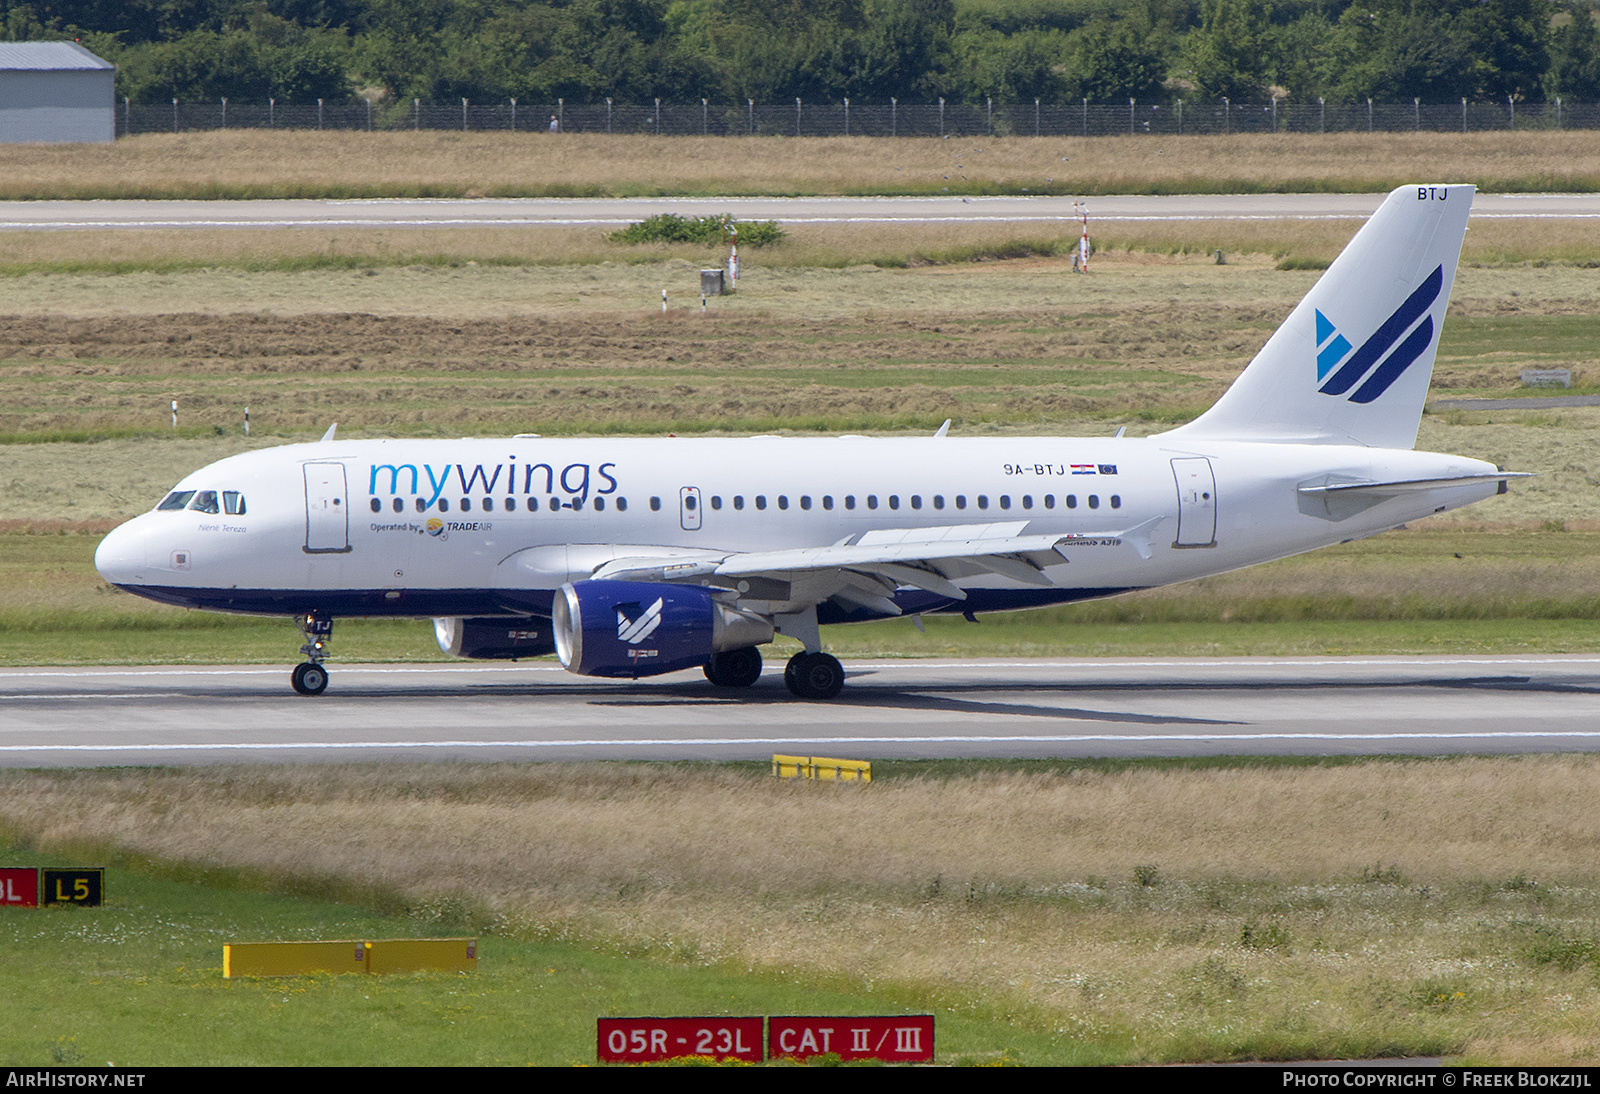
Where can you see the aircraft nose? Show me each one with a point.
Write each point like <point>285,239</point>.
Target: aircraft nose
<point>120,558</point>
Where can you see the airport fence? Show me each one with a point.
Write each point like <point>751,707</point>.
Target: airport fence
<point>891,119</point>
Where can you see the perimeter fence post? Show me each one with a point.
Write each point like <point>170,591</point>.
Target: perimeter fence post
<point>561,115</point>
<point>704,117</point>
<point>224,112</point>
<point>658,117</point>
<point>319,113</point>
<point>369,115</point>
<point>847,116</point>
<point>127,117</point>
<point>416,113</point>
<point>989,107</point>
<point>894,121</point>
<point>272,113</point>
<point>463,114</point>
<point>1036,117</point>
<point>797,116</point>
<point>1511,105</point>
<point>750,117</point>
<point>1130,115</point>
<point>1463,115</point>
<point>608,115</point>
<point>1416,115</point>
<point>174,115</point>
<point>941,117</point>
<point>1085,117</point>
<point>1227,120</point>
<point>1369,115</point>
<point>1180,117</point>
<point>513,115</point>
<point>1322,114</point>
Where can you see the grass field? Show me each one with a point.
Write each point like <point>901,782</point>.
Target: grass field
<point>1123,912</point>
<point>1015,345</point>
<point>301,164</point>
<point>138,983</point>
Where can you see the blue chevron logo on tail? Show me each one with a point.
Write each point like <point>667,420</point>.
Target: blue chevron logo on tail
<point>1333,347</point>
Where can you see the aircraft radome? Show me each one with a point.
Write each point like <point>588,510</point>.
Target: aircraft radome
<point>637,557</point>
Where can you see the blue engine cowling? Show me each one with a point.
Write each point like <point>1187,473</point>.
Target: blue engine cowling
<point>641,628</point>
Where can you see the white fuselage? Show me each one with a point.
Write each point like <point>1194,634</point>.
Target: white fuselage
<point>473,527</point>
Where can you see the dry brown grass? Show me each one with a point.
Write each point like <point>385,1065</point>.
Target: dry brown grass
<point>1280,901</point>
<point>306,163</point>
<point>1490,242</point>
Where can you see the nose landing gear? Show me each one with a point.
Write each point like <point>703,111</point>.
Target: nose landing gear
<point>311,678</point>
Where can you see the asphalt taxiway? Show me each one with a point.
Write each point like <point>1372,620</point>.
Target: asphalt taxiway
<point>889,709</point>
<point>616,212</point>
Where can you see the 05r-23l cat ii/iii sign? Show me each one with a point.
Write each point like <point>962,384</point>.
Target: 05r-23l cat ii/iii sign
<point>638,557</point>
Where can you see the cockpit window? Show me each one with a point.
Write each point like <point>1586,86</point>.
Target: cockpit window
<point>205,502</point>
<point>233,503</point>
<point>176,500</point>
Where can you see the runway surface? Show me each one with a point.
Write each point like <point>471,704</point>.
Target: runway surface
<point>889,709</point>
<point>613,212</point>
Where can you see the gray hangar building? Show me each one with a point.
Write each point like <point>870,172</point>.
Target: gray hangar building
<point>56,92</point>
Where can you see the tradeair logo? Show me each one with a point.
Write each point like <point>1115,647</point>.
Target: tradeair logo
<point>634,631</point>
<point>1380,350</point>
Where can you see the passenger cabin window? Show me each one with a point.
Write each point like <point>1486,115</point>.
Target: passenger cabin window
<point>761,501</point>
<point>1094,501</point>
<point>1005,501</point>
<point>599,505</point>
<point>894,501</point>
<point>849,501</point>
<point>205,502</point>
<point>961,501</point>
<point>488,505</point>
<point>1116,501</point>
<point>1049,501</point>
<point>805,501</point>
<point>511,505</point>
<point>783,501</point>
<point>622,505</point>
<point>1027,501</point>
<point>738,501</point>
<point>444,505</point>
<point>872,501</point>
<point>178,499</point>
<point>1072,501</point>
<point>422,506</point>
<point>655,505</point>
<point>983,501</point>
<point>827,501</point>
<point>938,501</point>
<point>716,501</point>
<point>466,505</point>
<point>916,501</point>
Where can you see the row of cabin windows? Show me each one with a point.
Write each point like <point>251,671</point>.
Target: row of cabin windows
<point>916,501</point>
<point>690,502</point>
<point>487,505</point>
<point>205,501</point>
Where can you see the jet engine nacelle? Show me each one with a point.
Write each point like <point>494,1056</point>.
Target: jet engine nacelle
<point>495,638</point>
<point>642,628</point>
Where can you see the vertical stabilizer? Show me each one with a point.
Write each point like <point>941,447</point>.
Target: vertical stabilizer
<point>1352,362</point>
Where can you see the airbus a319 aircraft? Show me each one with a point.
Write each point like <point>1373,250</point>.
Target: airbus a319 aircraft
<point>631,558</point>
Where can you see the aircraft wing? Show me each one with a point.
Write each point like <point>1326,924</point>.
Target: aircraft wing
<point>864,570</point>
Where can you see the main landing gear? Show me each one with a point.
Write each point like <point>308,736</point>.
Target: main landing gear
<point>814,676</point>
<point>735,668</point>
<point>807,675</point>
<point>311,678</point>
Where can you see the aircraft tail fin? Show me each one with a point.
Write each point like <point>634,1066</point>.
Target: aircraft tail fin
<point>1352,362</point>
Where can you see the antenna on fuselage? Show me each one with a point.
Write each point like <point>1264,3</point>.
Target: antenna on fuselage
<point>944,429</point>
<point>328,436</point>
